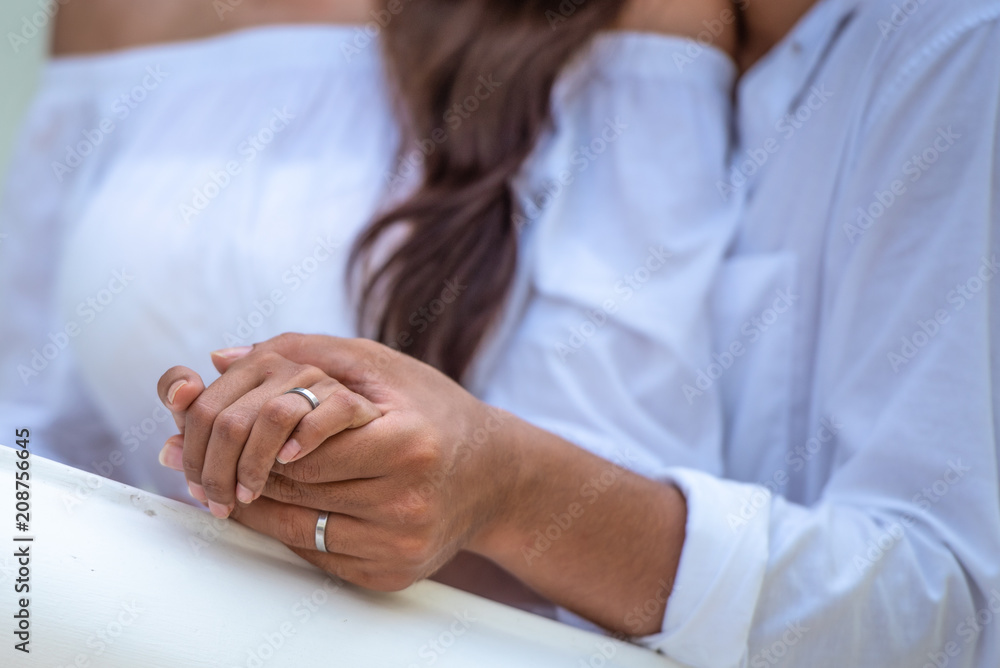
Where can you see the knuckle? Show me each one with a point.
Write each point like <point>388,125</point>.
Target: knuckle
<point>277,414</point>
<point>414,511</point>
<point>288,340</point>
<point>309,432</point>
<point>310,375</point>
<point>213,486</point>
<point>192,467</point>
<point>415,549</point>
<point>345,402</point>
<point>201,413</point>
<point>251,474</point>
<point>269,359</point>
<point>424,454</point>
<point>370,346</point>
<point>230,426</point>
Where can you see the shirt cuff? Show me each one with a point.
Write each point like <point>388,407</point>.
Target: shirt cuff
<point>721,570</point>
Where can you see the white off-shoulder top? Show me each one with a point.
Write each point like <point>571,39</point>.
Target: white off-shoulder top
<point>171,200</point>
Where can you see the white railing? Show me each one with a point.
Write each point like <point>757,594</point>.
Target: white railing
<point>123,578</point>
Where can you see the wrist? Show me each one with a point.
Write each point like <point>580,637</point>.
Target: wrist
<point>512,487</point>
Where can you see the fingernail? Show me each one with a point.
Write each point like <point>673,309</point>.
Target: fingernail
<point>172,392</point>
<point>172,457</point>
<point>219,510</point>
<point>233,353</point>
<point>289,451</point>
<point>244,494</point>
<point>198,492</point>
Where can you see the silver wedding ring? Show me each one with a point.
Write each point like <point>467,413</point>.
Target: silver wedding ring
<point>321,532</point>
<point>303,392</point>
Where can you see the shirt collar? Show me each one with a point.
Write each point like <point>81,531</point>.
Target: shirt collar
<point>773,86</point>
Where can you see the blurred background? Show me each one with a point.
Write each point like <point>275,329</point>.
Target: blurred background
<point>22,48</point>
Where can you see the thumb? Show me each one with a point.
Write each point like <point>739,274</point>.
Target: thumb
<point>223,359</point>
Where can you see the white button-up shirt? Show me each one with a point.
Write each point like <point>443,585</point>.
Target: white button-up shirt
<point>858,520</point>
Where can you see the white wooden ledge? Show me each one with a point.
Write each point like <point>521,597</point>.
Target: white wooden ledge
<point>123,578</point>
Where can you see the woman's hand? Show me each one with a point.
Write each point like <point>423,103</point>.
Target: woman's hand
<point>233,432</point>
<point>405,492</point>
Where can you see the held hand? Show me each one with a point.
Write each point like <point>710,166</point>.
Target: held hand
<point>405,492</point>
<point>233,432</point>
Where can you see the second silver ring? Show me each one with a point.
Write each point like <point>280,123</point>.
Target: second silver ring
<point>321,531</point>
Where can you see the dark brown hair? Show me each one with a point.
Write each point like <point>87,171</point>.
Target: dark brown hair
<point>459,223</point>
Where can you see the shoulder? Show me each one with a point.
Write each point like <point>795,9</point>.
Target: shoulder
<point>711,20</point>
<point>909,30</point>
<point>927,43</point>
<point>108,25</point>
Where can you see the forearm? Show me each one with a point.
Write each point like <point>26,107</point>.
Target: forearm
<point>584,532</point>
